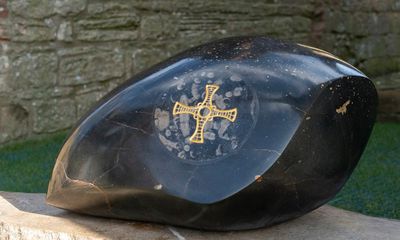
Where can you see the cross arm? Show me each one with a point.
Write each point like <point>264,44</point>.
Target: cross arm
<point>180,108</point>
<point>227,114</point>
<point>210,91</point>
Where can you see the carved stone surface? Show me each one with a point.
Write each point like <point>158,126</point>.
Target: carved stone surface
<point>235,134</point>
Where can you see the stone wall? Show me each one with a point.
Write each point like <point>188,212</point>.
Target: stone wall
<point>57,57</point>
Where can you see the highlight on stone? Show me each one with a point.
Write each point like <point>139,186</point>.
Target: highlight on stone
<point>240,133</point>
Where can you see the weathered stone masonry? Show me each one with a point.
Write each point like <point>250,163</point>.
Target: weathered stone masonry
<point>57,57</point>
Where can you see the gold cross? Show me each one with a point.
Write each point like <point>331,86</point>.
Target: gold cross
<point>204,111</point>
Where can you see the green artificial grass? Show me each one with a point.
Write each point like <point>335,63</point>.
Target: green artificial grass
<point>27,166</point>
<point>374,186</point>
<point>373,189</point>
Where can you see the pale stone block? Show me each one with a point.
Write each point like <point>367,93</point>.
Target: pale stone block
<point>26,216</point>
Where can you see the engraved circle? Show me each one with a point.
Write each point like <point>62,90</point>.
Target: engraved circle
<point>199,128</point>
<point>204,111</point>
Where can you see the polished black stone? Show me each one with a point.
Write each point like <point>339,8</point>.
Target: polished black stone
<point>239,133</point>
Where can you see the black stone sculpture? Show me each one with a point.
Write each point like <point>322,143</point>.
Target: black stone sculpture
<point>235,134</point>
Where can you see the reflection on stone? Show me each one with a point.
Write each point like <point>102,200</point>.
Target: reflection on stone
<point>279,136</point>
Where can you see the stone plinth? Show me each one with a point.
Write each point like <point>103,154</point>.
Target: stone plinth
<point>26,216</point>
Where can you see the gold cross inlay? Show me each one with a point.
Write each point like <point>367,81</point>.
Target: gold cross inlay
<point>204,111</point>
